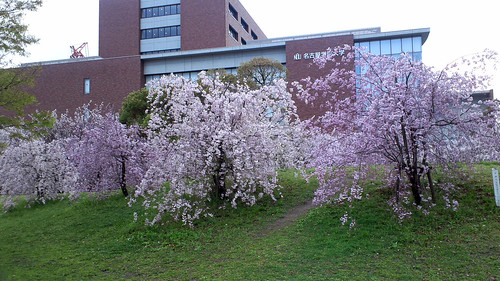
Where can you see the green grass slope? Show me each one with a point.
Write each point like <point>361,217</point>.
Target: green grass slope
<point>98,240</point>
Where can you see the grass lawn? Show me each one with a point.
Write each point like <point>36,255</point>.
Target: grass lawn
<point>98,240</point>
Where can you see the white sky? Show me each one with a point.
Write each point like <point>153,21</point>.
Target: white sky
<point>458,28</point>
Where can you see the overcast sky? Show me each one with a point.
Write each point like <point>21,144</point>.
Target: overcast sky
<point>458,28</point>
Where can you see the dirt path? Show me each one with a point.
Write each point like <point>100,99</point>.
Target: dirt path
<point>290,217</point>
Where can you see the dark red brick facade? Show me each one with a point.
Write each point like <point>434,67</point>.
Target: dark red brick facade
<point>299,62</point>
<point>119,70</point>
<point>205,24</point>
<point>119,28</point>
<point>202,24</point>
<point>61,86</point>
<point>237,25</point>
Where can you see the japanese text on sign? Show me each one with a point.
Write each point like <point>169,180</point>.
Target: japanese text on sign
<point>313,55</point>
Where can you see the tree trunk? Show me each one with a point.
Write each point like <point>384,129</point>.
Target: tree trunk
<point>415,185</point>
<point>123,184</point>
<point>431,186</point>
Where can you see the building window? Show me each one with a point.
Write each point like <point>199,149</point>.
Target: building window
<point>244,24</point>
<point>160,51</point>
<point>233,11</point>
<point>254,36</point>
<point>243,41</point>
<point>86,86</point>
<point>161,32</point>
<point>161,11</point>
<point>394,47</point>
<point>233,33</point>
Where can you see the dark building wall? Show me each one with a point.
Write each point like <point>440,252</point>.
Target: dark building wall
<point>300,65</point>
<point>61,86</point>
<point>237,24</point>
<point>119,28</point>
<point>205,24</point>
<point>202,24</point>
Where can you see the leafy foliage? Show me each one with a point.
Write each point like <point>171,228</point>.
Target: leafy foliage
<point>13,82</point>
<point>13,32</point>
<point>134,109</point>
<point>260,72</point>
<point>405,117</point>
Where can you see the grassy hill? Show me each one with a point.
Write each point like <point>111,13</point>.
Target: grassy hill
<point>98,240</point>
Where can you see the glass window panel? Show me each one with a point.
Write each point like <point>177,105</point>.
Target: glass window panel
<point>179,30</point>
<point>155,12</point>
<point>143,34</point>
<point>194,76</point>
<point>385,47</point>
<point>161,32</point>
<point>86,83</point>
<point>149,34</point>
<point>396,46</point>
<point>365,46</point>
<point>173,10</point>
<point>417,44</point>
<point>417,56</point>
<point>178,9</point>
<point>149,13</point>
<point>375,47</point>
<point>144,14</point>
<point>358,70</point>
<point>161,11</point>
<point>155,33</point>
<point>168,31</point>
<point>407,45</point>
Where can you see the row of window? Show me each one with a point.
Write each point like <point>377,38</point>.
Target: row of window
<point>233,12</point>
<point>417,56</point>
<point>191,75</point>
<point>393,46</point>
<point>234,34</point>
<point>161,11</point>
<point>161,32</point>
<point>160,51</point>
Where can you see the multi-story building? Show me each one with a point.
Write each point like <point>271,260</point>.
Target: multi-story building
<point>140,40</point>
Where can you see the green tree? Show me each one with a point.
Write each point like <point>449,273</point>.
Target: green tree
<point>14,40</point>
<point>13,32</point>
<point>134,108</point>
<point>261,71</point>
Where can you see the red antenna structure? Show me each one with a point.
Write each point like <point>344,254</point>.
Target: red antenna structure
<point>77,52</point>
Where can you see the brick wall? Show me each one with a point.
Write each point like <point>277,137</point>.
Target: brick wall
<point>202,24</point>
<point>300,65</point>
<point>119,28</point>
<point>236,24</point>
<point>205,24</point>
<point>61,86</point>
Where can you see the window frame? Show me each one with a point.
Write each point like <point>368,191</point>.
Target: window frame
<point>86,86</point>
